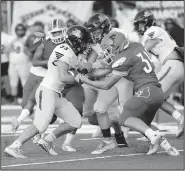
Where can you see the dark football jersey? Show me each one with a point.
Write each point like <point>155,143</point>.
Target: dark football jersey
<point>134,63</point>
<point>49,46</point>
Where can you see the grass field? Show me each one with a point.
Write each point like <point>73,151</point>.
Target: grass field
<point>133,157</point>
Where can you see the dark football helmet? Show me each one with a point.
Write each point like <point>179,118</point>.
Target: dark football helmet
<point>20,30</point>
<point>98,25</point>
<point>77,37</point>
<point>143,20</point>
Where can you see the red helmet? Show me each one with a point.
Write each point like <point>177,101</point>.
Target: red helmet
<point>57,30</point>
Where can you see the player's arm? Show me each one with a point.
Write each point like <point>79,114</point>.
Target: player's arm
<point>65,76</point>
<point>102,84</point>
<point>98,73</point>
<point>151,43</point>
<point>37,58</point>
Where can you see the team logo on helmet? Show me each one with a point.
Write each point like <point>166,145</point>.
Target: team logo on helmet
<point>77,33</point>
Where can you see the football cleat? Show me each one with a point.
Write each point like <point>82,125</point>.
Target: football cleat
<point>48,147</point>
<point>154,143</point>
<point>171,151</point>
<point>67,147</point>
<point>120,139</point>
<point>14,152</point>
<point>104,146</point>
<point>15,125</point>
<point>180,123</point>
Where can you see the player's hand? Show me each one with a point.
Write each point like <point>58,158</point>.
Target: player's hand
<point>78,78</point>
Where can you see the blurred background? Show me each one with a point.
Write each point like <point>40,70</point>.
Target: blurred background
<point>35,15</point>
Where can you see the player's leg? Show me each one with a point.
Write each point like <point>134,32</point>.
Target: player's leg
<point>28,101</point>
<point>76,96</point>
<point>91,94</point>
<point>104,100</point>
<point>14,79</point>
<point>72,118</point>
<point>145,103</point>
<point>171,76</point>
<point>46,100</point>
<point>125,92</point>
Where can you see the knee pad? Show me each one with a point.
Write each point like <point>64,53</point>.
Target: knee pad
<point>93,120</point>
<point>114,119</point>
<point>41,127</point>
<point>76,123</point>
<point>100,107</point>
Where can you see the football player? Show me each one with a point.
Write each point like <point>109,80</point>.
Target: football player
<point>56,35</point>
<point>97,102</point>
<point>19,62</point>
<point>48,95</point>
<point>132,62</point>
<point>5,83</point>
<point>39,67</point>
<point>158,42</point>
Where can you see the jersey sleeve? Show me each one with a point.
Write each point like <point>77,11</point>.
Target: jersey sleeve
<point>122,66</point>
<point>152,33</point>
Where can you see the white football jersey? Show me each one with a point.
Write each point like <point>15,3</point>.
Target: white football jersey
<point>17,55</point>
<point>5,41</point>
<point>61,53</point>
<point>162,49</point>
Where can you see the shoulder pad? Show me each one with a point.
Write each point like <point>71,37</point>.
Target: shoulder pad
<point>152,32</point>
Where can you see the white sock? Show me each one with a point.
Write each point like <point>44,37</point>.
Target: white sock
<point>149,133</point>
<point>107,140</point>
<point>165,144</point>
<point>15,144</point>
<point>24,114</point>
<point>50,137</point>
<point>69,138</point>
<point>176,115</point>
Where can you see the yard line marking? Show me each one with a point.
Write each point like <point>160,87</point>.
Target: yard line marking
<point>81,159</point>
<point>18,107</point>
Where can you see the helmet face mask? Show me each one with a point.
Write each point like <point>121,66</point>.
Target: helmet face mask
<point>98,25</point>
<point>108,56</point>
<point>78,38</point>
<point>57,31</point>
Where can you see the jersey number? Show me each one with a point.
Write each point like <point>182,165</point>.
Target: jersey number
<point>59,55</point>
<point>145,58</point>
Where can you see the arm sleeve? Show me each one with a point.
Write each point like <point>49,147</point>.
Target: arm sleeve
<point>151,33</point>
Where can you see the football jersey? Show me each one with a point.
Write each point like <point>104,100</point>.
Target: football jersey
<point>5,41</point>
<point>16,54</point>
<point>49,46</point>
<point>32,47</point>
<point>135,65</point>
<point>61,53</point>
<point>164,47</point>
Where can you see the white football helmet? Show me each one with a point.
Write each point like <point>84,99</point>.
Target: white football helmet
<point>57,31</point>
